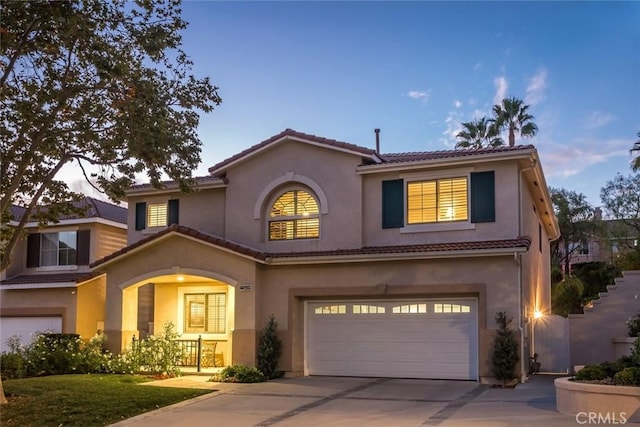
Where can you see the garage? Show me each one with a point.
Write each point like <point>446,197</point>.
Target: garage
<point>25,327</point>
<point>423,338</point>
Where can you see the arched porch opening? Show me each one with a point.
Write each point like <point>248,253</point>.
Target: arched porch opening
<point>199,304</point>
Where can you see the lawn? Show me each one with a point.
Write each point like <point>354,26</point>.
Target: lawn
<point>84,400</point>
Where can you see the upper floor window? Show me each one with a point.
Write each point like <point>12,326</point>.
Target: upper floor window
<point>294,215</point>
<point>62,248</point>
<point>58,249</point>
<point>427,203</point>
<point>156,214</point>
<point>437,200</point>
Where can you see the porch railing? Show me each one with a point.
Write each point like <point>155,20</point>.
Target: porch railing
<point>196,352</point>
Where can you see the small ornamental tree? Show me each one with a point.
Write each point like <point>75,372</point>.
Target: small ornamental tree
<point>505,350</point>
<point>269,349</point>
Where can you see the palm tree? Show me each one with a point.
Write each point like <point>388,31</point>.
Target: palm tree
<point>512,114</point>
<point>478,134</point>
<point>635,163</point>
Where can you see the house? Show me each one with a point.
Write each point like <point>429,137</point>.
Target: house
<point>49,285</point>
<point>386,265</point>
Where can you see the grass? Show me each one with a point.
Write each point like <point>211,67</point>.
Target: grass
<point>84,400</point>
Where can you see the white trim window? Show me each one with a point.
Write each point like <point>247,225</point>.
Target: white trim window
<point>205,313</point>
<point>157,214</point>
<point>59,249</point>
<point>294,215</point>
<point>438,200</point>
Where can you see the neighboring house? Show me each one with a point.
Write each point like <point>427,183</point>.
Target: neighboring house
<point>385,265</point>
<point>609,239</point>
<point>49,285</point>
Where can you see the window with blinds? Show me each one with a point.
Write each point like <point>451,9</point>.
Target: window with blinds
<point>157,215</point>
<point>440,200</point>
<point>294,215</point>
<point>205,313</point>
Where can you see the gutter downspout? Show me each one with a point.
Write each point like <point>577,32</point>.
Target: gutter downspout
<point>518,260</point>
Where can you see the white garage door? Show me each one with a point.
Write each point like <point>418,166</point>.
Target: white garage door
<point>25,327</point>
<point>429,338</point>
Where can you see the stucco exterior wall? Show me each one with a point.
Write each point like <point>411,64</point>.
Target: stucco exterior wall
<point>202,209</point>
<point>592,333</point>
<point>333,172</point>
<point>493,280</point>
<point>504,227</point>
<point>91,303</point>
<point>42,302</point>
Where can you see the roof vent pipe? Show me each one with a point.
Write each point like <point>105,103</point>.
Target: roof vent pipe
<point>377,131</point>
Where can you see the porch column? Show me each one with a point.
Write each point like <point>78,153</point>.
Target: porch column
<point>121,320</point>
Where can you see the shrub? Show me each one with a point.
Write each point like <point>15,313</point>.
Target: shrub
<point>505,350</point>
<point>239,374</point>
<point>13,364</point>
<point>53,354</point>
<point>155,355</point>
<point>635,352</point>
<point>612,368</point>
<point>591,373</point>
<point>633,325</point>
<point>269,350</point>
<point>628,376</point>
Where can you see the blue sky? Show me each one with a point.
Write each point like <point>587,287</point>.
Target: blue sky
<point>416,70</point>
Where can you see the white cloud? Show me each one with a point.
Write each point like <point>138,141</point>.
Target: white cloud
<point>536,87</point>
<point>419,95</point>
<point>457,103</point>
<point>598,119</point>
<point>501,86</point>
<point>571,159</point>
<point>478,66</point>
<point>453,127</point>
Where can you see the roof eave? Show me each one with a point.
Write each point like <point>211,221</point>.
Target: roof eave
<point>274,260</point>
<point>221,169</point>
<point>173,188</point>
<point>444,162</point>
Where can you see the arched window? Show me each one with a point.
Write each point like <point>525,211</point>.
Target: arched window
<point>294,215</point>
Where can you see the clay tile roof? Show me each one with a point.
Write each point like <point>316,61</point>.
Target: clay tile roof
<point>31,279</point>
<point>520,242</point>
<point>200,180</point>
<point>446,154</point>
<point>186,231</point>
<point>295,134</point>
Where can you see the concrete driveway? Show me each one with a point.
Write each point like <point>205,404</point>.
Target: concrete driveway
<point>346,401</point>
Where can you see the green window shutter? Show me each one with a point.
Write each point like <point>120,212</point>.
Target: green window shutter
<point>483,197</point>
<point>33,250</point>
<point>83,240</point>
<point>173,211</point>
<point>393,203</point>
<point>141,216</point>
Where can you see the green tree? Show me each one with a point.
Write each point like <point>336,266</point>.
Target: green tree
<point>505,350</point>
<point>635,163</point>
<point>620,199</point>
<point>478,134</point>
<point>576,222</point>
<point>567,296</point>
<point>513,115</point>
<point>102,84</point>
<point>269,349</point>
